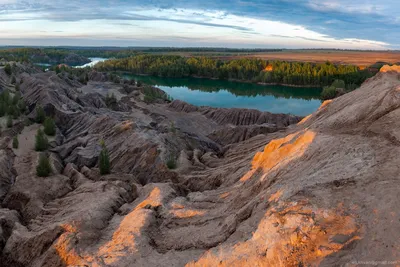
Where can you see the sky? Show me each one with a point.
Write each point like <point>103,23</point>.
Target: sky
<point>343,24</point>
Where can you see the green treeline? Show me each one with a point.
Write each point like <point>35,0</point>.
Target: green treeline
<point>104,53</point>
<point>61,55</point>
<point>43,55</point>
<point>254,70</point>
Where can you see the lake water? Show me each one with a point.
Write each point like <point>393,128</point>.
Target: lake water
<point>94,61</point>
<point>227,94</point>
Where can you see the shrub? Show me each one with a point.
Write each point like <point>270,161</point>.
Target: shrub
<point>152,94</point>
<point>7,69</point>
<point>3,109</point>
<point>41,141</point>
<point>139,84</point>
<point>339,84</point>
<point>104,160</point>
<point>116,80</point>
<point>172,127</point>
<point>9,122</point>
<point>82,79</point>
<point>5,97</point>
<point>171,163</point>
<point>15,142</point>
<point>22,106</point>
<point>49,126</point>
<point>43,169</point>
<point>111,101</point>
<point>16,98</point>
<point>40,115</point>
<point>329,92</point>
<point>13,111</point>
<point>27,122</point>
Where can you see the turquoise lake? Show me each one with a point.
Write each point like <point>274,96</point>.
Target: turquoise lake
<point>228,94</point>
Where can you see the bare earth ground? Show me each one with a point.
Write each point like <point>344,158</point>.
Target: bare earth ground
<point>323,192</point>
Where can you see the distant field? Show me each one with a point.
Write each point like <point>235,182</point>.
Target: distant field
<point>338,57</point>
<point>360,58</point>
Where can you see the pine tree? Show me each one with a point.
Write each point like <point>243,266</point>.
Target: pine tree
<point>9,122</point>
<point>3,109</point>
<point>13,80</point>
<point>41,142</point>
<point>16,98</point>
<point>43,169</point>
<point>15,142</point>
<point>49,126</point>
<point>104,160</point>
<point>40,115</point>
<point>7,69</point>
<point>22,106</point>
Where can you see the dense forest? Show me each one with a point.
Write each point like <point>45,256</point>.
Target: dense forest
<point>253,70</point>
<point>44,56</point>
<point>68,56</point>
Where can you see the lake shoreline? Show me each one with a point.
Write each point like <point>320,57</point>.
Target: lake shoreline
<point>228,80</point>
<point>235,94</point>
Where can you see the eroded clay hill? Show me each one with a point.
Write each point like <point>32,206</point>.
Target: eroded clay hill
<point>246,192</point>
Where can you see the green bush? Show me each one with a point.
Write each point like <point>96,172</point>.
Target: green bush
<point>22,106</point>
<point>171,163</point>
<point>337,88</point>
<point>9,122</point>
<point>15,142</point>
<point>27,122</point>
<point>7,69</point>
<point>172,127</point>
<point>41,141</point>
<point>104,160</point>
<point>329,92</point>
<point>13,80</point>
<point>339,84</point>
<point>9,104</point>
<point>13,111</point>
<point>111,101</point>
<point>49,126</point>
<point>3,109</point>
<point>40,115</point>
<point>16,98</point>
<point>5,97</point>
<point>152,94</point>
<point>43,169</point>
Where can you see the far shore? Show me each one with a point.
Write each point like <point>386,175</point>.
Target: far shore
<point>230,80</point>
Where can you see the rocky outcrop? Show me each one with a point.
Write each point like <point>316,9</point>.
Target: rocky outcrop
<point>247,191</point>
<point>237,116</point>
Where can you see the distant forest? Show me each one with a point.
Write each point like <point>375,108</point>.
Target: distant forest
<point>43,56</point>
<point>151,61</point>
<point>61,55</point>
<point>251,70</point>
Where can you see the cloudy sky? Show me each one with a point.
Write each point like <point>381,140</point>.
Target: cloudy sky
<point>352,24</point>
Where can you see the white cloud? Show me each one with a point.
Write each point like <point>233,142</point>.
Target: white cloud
<point>189,26</point>
<point>345,7</point>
